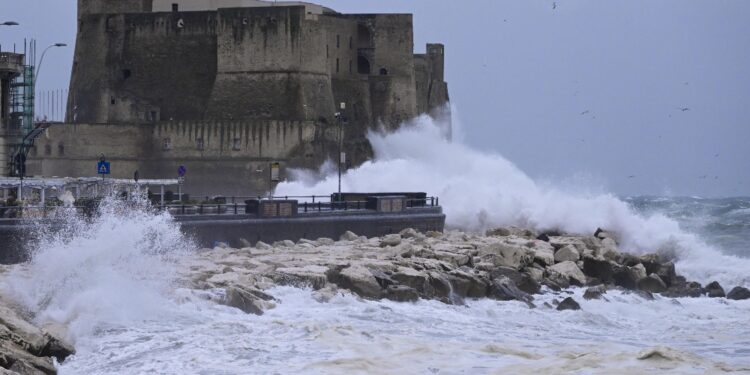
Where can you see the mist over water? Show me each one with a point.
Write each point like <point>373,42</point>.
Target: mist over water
<point>480,190</point>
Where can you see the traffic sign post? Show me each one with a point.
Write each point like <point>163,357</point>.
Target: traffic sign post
<point>103,168</point>
<point>181,171</point>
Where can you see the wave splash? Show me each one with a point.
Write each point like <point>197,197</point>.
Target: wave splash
<point>103,273</point>
<point>479,190</point>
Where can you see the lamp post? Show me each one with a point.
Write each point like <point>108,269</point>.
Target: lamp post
<point>342,158</point>
<point>41,60</point>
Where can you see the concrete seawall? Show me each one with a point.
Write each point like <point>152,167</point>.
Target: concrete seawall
<point>17,236</point>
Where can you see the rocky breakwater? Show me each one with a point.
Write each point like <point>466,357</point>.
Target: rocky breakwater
<point>506,264</point>
<point>25,348</point>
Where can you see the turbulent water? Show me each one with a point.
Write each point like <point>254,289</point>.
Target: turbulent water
<point>112,284</point>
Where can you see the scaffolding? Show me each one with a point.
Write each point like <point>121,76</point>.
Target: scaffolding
<point>22,96</point>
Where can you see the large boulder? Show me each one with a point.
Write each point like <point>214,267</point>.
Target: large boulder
<point>653,284</point>
<point>358,279</point>
<point>569,271</point>
<point>544,253</point>
<point>410,277</point>
<point>401,293</point>
<point>310,275</point>
<point>348,236</point>
<point>595,292</point>
<point>511,231</point>
<point>568,304</point>
<point>507,255</point>
<point>390,240</point>
<point>605,234</point>
<point>475,282</point>
<point>599,268</point>
<point>249,300</point>
<point>567,253</point>
<point>714,290</point>
<point>504,289</point>
<point>522,280</point>
<point>628,277</point>
<point>667,273</point>
<point>683,289</point>
<point>738,293</point>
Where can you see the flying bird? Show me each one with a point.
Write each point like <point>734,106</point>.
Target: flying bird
<point>631,176</point>
<point>584,112</point>
<point>554,5</point>
<point>683,109</point>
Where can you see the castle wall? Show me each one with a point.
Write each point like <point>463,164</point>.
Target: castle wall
<point>86,7</point>
<point>236,153</point>
<point>270,66</point>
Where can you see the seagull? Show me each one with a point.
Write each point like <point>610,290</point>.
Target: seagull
<point>584,112</point>
<point>554,5</point>
<point>631,176</point>
<point>716,156</point>
<point>683,109</point>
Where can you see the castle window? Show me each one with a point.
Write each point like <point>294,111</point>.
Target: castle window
<point>363,66</point>
<point>126,73</point>
<point>47,150</point>
<point>154,116</point>
<point>383,71</point>
<point>236,144</point>
<point>350,66</point>
<point>337,65</point>
<point>33,150</point>
<point>327,51</point>
<point>175,7</point>
<point>60,149</point>
<point>199,144</point>
<point>364,37</point>
<point>111,100</point>
<point>338,41</point>
<point>166,144</point>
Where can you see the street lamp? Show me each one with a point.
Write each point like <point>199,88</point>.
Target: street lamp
<point>9,23</point>
<point>342,158</point>
<point>39,66</point>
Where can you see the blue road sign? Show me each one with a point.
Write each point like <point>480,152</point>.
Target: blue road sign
<point>181,171</point>
<point>102,167</point>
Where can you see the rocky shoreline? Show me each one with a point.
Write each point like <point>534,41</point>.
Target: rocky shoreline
<point>26,348</point>
<point>505,264</point>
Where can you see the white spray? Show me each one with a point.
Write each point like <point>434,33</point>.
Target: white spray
<point>479,190</point>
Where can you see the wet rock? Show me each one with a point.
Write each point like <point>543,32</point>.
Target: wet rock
<point>433,234</point>
<point>504,289</point>
<point>284,243</point>
<point>359,280</point>
<point>401,293</point>
<point>325,294</point>
<point>348,236</point>
<point>457,259</point>
<point>667,273</point>
<point>249,300</point>
<point>263,246</point>
<point>684,289</point>
<point>305,241</point>
<point>507,255</point>
<point>568,304</point>
<point>477,281</point>
<point>544,253</point>
<point>413,278</point>
<point>714,290</point>
<point>311,275</point>
<point>738,293</point>
<point>324,241</point>
<point>390,240</point>
<point>569,271</point>
<point>599,268</point>
<point>245,243</point>
<point>653,283</point>
<point>628,277</point>
<point>609,249</point>
<point>595,292</point>
<point>522,280</point>
<point>604,234</point>
<point>511,231</point>
<point>652,263</point>
<point>409,233</point>
<point>567,253</point>
<point>535,273</point>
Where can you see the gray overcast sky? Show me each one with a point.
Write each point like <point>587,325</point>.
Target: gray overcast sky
<point>590,90</point>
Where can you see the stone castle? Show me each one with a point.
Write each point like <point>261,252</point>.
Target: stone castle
<point>228,87</point>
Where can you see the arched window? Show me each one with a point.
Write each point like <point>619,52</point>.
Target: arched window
<point>363,66</point>
<point>60,149</point>
<point>47,150</point>
<point>364,36</point>
<point>383,71</point>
